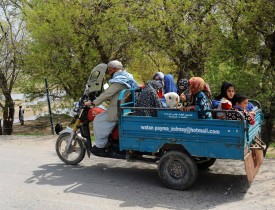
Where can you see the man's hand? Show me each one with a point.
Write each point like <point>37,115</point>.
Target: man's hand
<point>187,109</point>
<point>190,108</point>
<point>182,97</point>
<point>252,113</point>
<point>89,103</point>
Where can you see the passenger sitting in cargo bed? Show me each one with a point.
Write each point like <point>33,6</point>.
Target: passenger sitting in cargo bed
<point>240,104</point>
<point>149,98</point>
<point>200,94</point>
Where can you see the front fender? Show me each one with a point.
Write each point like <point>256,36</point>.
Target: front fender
<point>66,130</point>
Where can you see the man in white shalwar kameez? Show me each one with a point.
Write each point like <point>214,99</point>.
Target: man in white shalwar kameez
<point>105,122</point>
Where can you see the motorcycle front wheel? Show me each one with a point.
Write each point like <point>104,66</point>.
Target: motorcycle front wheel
<point>75,154</point>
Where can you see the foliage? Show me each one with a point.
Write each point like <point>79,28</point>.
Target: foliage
<point>225,40</point>
<point>69,38</point>
<point>241,54</point>
<point>244,53</point>
<point>178,29</point>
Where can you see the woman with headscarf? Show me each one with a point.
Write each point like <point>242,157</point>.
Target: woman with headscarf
<point>200,94</point>
<point>225,98</point>
<point>159,77</point>
<point>149,98</point>
<point>169,84</point>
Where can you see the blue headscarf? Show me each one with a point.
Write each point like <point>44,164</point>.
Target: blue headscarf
<point>169,84</point>
<point>125,78</point>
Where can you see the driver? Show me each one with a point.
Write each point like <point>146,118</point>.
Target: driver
<point>105,122</point>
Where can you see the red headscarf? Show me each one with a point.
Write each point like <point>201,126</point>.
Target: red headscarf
<point>197,84</point>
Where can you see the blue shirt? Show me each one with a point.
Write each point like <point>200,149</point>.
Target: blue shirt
<point>202,103</point>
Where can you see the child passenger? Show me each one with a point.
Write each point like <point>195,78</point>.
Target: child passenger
<point>240,104</point>
<point>200,94</point>
<point>226,95</point>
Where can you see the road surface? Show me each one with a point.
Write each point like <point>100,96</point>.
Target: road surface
<point>33,177</point>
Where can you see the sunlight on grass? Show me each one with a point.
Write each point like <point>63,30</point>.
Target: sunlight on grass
<point>271,151</point>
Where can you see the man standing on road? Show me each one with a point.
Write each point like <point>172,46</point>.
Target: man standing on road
<point>21,115</point>
<point>105,122</point>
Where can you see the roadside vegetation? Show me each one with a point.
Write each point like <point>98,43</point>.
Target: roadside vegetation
<point>271,151</point>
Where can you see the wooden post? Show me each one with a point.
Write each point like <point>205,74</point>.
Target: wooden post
<point>49,105</point>
<point>1,127</point>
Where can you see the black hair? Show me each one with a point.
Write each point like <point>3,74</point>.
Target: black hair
<point>224,87</point>
<point>238,99</point>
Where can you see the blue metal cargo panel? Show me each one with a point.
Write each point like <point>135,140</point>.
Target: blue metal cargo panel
<point>211,138</point>
<point>254,130</point>
<point>203,138</point>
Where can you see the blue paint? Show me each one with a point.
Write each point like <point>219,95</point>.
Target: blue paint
<point>211,138</point>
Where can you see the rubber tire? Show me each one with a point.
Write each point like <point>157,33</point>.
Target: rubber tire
<point>190,172</point>
<point>81,156</point>
<point>206,164</point>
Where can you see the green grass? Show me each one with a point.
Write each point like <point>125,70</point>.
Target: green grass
<point>34,133</point>
<point>271,151</point>
<point>269,155</point>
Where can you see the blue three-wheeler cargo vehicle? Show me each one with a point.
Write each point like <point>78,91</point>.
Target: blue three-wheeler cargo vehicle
<point>179,142</point>
<point>183,142</point>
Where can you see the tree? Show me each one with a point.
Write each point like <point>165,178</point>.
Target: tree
<point>11,50</point>
<point>180,29</point>
<point>260,18</point>
<point>69,38</point>
<point>244,52</point>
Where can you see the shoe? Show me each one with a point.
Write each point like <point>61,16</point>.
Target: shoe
<point>97,151</point>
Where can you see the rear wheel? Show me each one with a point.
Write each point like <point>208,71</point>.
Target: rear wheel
<point>75,154</point>
<point>177,170</point>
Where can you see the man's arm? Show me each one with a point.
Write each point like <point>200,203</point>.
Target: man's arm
<point>112,90</point>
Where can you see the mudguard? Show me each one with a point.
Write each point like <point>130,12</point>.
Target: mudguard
<point>252,162</point>
<point>254,158</point>
<point>66,130</point>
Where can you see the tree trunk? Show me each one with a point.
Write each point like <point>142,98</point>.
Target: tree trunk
<point>8,115</point>
<point>268,127</point>
<point>270,43</point>
<point>181,75</point>
<point>1,130</point>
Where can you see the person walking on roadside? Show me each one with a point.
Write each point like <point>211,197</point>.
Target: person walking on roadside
<point>21,115</point>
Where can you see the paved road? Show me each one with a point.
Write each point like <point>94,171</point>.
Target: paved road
<point>32,177</point>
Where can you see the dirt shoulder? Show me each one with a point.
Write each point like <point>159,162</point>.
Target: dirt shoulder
<point>40,126</point>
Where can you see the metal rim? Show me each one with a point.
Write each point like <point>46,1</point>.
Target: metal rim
<point>75,150</point>
<point>176,169</point>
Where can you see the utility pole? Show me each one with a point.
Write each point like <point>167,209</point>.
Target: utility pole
<point>49,105</point>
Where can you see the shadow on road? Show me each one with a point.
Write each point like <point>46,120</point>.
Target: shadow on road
<point>140,187</point>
